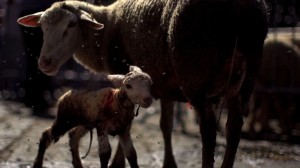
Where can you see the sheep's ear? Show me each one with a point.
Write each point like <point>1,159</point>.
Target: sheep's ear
<point>31,20</point>
<point>134,68</point>
<point>90,21</point>
<point>117,80</point>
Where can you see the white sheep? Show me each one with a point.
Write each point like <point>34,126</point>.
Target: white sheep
<point>109,110</point>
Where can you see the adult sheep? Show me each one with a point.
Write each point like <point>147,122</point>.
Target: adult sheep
<point>181,44</point>
<point>276,92</point>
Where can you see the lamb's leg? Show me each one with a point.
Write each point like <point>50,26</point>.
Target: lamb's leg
<point>45,141</point>
<point>104,148</point>
<point>166,125</point>
<point>119,158</point>
<point>128,148</point>
<point>58,129</point>
<point>48,136</point>
<point>233,130</point>
<point>75,135</point>
<point>208,130</point>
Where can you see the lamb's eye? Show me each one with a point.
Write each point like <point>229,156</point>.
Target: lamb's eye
<point>128,86</point>
<point>129,74</point>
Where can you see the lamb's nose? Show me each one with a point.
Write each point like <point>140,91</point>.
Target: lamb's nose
<point>147,100</point>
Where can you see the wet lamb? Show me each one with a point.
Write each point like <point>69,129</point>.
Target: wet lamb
<point>109,110</point>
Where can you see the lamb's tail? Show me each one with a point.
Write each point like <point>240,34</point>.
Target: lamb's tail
<point>91,138</point>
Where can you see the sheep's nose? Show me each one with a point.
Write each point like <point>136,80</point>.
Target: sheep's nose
<point>44,62</point>
<point>47,61</point>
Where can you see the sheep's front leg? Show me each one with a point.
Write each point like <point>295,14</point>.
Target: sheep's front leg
<point>104,148</point>
<point>75,135</point>
<point>166,126</point>
<point>233,130</point>
<point>128,148</point>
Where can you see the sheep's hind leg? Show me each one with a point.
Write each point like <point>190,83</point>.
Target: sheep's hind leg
<point>166,125</point>
<point>208,130</point>
<point>128,148</point>
<point>233,130</point>
<point>75,135</point>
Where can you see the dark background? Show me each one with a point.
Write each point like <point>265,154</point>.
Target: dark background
<point>20,79</point>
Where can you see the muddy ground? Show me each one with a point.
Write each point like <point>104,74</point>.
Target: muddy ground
<point>20,132</point>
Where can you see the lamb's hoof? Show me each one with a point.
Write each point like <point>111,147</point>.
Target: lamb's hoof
<point>118,162</point>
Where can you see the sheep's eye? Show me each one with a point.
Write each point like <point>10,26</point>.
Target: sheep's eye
<point>128,86</point>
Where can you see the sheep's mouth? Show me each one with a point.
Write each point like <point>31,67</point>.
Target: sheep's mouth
<point>51,71</point>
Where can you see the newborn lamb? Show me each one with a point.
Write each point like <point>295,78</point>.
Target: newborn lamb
<point>109,110</point>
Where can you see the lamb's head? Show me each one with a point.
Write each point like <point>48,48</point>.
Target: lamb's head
<point>61,25</point>
<point>136,84</point>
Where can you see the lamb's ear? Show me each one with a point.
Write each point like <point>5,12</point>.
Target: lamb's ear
<point>31,20</point>
<point>117,80</point>
<point>134,68</point>
<point>90,21</point>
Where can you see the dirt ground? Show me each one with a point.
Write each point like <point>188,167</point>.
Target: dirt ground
<point>20,133</point>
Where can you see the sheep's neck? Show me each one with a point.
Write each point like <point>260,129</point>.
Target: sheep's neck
<point>94,48</point>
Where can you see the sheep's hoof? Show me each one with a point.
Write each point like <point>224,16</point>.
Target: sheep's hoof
<point>168,164</point>
<point>117,165</point>
<point>37,165</point>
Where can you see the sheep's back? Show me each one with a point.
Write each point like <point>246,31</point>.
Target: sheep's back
<point>204,35</point>
<point>142,35</point>
<point>186,44</point>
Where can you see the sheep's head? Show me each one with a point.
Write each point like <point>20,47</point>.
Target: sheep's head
<point>61,32</point>
<point>136,84</point>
